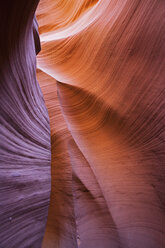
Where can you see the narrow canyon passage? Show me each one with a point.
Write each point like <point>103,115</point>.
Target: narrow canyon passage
<point>82,104</point>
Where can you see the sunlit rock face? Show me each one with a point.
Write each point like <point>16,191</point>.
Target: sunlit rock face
<point>25,133</point>
<point>101,70</point>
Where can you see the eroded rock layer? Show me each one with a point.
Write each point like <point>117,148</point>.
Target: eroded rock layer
<point>102,75</point>
<point>101,71</point>
<point>25,132</point>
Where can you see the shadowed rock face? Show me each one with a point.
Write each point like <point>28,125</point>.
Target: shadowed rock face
<point>102,75</point>
<point>101,71</point>
<point>25,133</point>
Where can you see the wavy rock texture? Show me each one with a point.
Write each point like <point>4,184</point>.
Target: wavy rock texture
<point>101,71</point>
<point>102,74</point>
<point>25,132</point>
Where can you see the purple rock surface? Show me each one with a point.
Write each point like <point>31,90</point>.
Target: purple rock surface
<point>24,130</point>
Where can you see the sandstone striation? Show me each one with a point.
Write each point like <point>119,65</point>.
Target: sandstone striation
<point>25,133</point>
<point>101,71</point>
<point>108,64</point>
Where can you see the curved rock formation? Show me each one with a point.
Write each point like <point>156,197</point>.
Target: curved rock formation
<point>108,60</point>
<point>101,71</point>
<point>25,132</point>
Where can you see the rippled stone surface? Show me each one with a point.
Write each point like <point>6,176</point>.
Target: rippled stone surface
<point>101,71</point>
<point>24,131</point>
<point>102,75</point>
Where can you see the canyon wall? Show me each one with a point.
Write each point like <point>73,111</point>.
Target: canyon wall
<point>101,69</point>
<point>24,130</point>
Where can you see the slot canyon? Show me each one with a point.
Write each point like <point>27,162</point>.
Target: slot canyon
<point>82,124</point>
